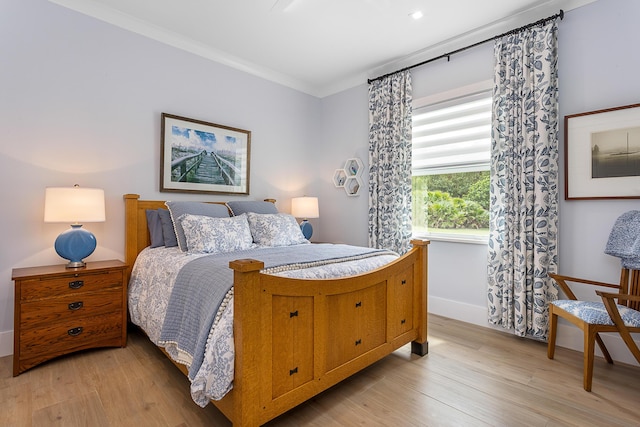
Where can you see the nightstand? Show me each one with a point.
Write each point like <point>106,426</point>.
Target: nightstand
<point>61,310</point>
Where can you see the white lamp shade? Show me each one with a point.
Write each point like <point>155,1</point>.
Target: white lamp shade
<point>305,207</point>
<point>74,205</point>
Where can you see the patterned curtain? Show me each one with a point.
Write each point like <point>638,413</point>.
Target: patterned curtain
<point>390,162</point>
<point>524,181</point>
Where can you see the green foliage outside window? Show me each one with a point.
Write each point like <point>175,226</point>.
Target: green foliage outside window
<point>456,202</point>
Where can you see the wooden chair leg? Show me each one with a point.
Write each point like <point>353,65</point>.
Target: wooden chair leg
<point>628,340</point>
<point>604,350</point>
<point>553,328</point>
<point>589,348</point>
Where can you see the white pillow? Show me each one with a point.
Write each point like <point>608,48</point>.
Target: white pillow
<point>275,229</point>
<point>206,234</point>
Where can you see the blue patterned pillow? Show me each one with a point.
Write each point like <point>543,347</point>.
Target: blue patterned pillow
<point>177,209</point>
<point>239,207</point>
<point>275,229</point>
<point>205,234</point>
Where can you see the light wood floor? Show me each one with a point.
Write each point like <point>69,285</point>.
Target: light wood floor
<point>472,376</point>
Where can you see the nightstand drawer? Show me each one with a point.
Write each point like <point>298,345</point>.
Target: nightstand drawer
<point>69,284</point>
<point>70,335</point>
<point>70,307</point>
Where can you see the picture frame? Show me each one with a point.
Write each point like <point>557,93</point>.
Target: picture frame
<point>602,154</point>
<point>202,157</point>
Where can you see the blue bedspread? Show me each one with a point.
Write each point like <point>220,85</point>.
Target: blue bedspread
<point>202,284</point>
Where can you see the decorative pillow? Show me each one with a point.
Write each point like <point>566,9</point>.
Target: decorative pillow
<point>245,206</point>
<point>177,209</point>
<point>155,228</point>
<point>275,229</point>
<point>205,234</point>
<point>168,233</point>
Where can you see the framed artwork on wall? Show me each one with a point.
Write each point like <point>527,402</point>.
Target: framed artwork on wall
<point>202,157</point>
<point>602,154</point>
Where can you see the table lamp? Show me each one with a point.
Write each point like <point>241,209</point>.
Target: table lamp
<point>74,205</point>
<point>305,207</point>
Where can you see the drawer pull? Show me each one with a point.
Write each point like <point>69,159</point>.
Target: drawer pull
<point>403,321</point>
<point>75,331</point>
<point>293,314</point>
<point>404,282</point>
<point>76,284</point>
<point>358,342</point>
<point>359,304</point>
<point>293,371</point>
<point>76,305</point>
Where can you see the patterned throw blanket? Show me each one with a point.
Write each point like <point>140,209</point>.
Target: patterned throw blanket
<point>203,284</point>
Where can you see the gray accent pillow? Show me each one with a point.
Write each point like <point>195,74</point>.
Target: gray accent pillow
<point>155,228</point>
<point>168,234</point>
<point>245,206</point>
<point>177,209</point>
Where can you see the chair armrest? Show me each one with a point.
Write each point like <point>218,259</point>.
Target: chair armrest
<point>626,297</point>
<point>584,281</point>
<point>562,281</point>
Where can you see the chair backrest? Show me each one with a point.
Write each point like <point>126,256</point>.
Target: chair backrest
<point>630,284</point>
<point>624,243</point>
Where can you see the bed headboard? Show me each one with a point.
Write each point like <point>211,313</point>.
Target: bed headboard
<point>136,233</point>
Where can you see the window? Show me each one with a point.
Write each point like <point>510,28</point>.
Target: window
<point>450,168</point>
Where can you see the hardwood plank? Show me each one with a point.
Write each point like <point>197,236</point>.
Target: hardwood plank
<point>85,410</point>
<point>473,376</point>
<point>60,381</point>
<point>16,405</point>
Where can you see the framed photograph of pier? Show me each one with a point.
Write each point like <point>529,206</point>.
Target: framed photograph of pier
<point>202,157</point>
<point>602,154</point>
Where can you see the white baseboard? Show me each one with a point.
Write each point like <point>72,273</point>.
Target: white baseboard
<point>6,343</point>
<point>473,314</point>
<point>568,335</point>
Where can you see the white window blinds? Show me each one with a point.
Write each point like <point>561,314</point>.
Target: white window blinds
<point>452,136</point>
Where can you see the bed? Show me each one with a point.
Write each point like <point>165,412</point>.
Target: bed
<point>294,337</point>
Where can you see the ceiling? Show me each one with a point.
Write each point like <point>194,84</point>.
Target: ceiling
<point>319,47</point>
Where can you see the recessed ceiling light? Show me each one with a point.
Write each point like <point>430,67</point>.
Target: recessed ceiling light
<point>416,15</point>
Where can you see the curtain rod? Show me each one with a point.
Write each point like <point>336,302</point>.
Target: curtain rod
<point>448,55</point>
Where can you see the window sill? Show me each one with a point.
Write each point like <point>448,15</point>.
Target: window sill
<point>476,240</point>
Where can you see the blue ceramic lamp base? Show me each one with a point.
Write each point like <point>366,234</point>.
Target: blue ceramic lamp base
<point>75,244</point>
<point>307,229</point>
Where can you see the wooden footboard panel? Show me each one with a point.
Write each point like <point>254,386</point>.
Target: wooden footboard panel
<point>296,338</point>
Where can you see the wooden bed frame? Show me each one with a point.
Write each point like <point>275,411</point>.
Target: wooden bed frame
<point>295,338</point>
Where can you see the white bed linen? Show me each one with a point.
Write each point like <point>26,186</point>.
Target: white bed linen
<point>151,283</point>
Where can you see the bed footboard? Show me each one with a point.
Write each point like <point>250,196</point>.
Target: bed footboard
<point>296,337</point>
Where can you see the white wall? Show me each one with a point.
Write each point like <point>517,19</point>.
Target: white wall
<point>80,102</point>
<point>344,134</point>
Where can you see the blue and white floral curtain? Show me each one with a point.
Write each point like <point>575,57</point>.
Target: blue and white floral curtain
<point>524,181</point>
<point>390,162</point>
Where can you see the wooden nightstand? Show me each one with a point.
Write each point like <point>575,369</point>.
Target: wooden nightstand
<point>60,310</point>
